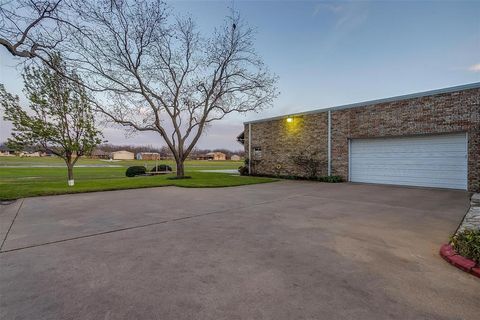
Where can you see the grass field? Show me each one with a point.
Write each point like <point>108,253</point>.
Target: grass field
<point>27,177</point>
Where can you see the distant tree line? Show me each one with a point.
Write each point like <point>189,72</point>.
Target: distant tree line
<point>165,151</point>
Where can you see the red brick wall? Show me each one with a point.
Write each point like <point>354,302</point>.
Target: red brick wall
<point>442,113</point>
<point>280,141</point>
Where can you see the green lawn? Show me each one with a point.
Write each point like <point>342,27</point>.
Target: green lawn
<point>27,177</point>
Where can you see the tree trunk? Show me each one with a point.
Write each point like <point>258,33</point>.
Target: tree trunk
<point>180,168</point>
<point>71,182</point>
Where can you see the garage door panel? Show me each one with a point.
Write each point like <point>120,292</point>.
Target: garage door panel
<point>402,178</point>
<point>420,183</point>
<point>450,147</point>
<point>411,155</point>
<point>414,174</point>
<point>439,168</point>
<point>436,161</point>
<point>445,161</point>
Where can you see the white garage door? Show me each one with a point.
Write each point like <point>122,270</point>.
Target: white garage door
<point>427,161</point>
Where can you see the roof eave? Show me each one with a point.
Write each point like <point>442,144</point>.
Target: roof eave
<point>475,85</point>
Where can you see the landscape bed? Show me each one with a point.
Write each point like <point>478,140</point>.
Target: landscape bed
<point>22,177</point>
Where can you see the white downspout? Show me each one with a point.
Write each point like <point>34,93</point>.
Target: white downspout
<point>249,148</point>
<point>329,143</point>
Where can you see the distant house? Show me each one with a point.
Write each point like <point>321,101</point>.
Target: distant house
<point>235,157</point>
<point>100,154</point>
<point>122,155</point>
<point>213,156</point>
<point>148,156</point>
<point>32,154</point>
<point>6,152</point>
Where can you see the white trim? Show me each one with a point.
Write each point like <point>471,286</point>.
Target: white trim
<point>349,159</point>
<point>329,143</point>
<point>249,148</point>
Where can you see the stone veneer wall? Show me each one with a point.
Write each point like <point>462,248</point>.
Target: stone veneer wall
<point>436,114</point>
<point>472,218</point>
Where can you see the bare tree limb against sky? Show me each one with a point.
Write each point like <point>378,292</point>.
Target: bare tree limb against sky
<point>145,68</point>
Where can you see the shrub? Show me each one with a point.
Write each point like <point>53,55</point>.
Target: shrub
<point>310,162</point>
<point>330,179</point>
<point>161,168</point>
<point>135,171</point>
<point>243,170</point>
<point>467,244</point>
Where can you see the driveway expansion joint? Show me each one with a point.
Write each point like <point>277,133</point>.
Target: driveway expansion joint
<point>132,227</point>
<point>11,225</point>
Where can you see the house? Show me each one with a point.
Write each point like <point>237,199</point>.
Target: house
<point>6,152</point>
<point>100,154</point>
<point>148,156</point>
<point>428,139</point>
<point>32,154</point>
<point>213,156</point>
<point>122,155</point>
<point>235,157</point>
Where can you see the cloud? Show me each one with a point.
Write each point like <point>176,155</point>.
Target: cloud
<point>347,16</point>
<point>343,20</point>
<point>327,7</point>
<point>474,68</point>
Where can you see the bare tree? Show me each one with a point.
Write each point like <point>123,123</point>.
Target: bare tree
<point>162,75</point>
<point>32,29</point>
<point>150,71</point>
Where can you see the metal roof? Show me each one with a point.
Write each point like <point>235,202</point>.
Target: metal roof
<point>475,85</point>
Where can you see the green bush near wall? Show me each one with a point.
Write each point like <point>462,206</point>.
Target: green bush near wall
<point>467,244</point>
<point>328,179</point>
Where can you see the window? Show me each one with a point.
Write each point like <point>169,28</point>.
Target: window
<point>257,152</point>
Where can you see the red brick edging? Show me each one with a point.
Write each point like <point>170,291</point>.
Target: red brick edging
<point>452,257</point>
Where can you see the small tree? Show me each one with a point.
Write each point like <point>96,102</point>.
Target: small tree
<point>310,161</point>
<point>60,118</point>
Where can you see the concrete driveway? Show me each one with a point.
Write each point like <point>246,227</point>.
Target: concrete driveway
<point>285,250</point>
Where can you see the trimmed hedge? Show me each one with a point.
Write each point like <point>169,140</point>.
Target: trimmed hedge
<point>467,244</point>
<point>135,171</point>
<point>328,179</point>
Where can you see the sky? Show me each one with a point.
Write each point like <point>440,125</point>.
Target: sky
<point>330,53</point>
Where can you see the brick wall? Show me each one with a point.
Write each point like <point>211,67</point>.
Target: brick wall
<point>280,140</point>
<point>442,113</point>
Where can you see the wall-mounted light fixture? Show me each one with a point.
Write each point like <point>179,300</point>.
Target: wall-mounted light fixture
<point>289,119</point>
